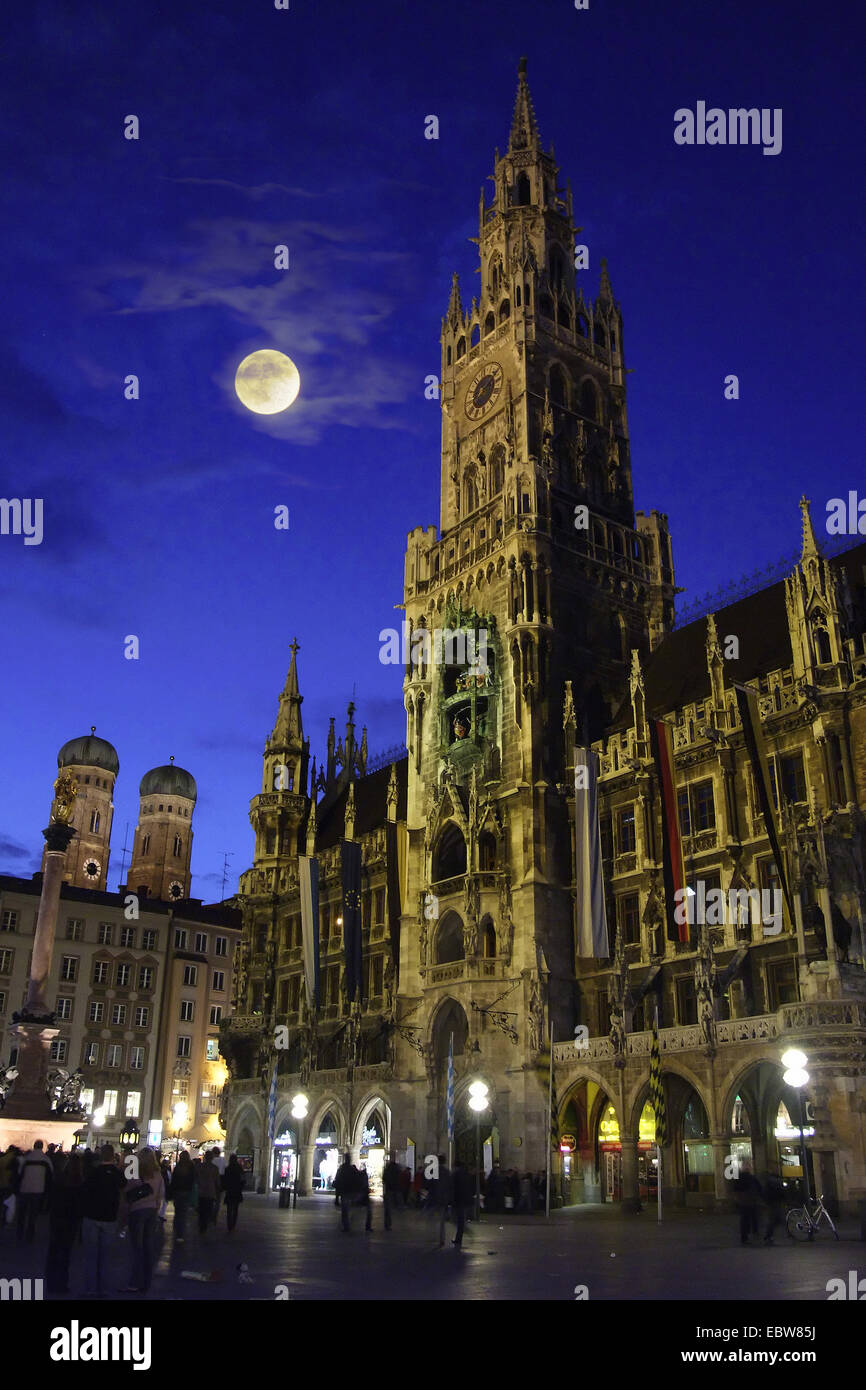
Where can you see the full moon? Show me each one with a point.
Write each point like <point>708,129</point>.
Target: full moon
<point>267,382</point>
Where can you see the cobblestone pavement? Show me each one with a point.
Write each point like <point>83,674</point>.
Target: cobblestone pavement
<point>691,1255</point>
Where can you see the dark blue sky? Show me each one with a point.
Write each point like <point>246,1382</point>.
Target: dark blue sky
<point>307,127</point>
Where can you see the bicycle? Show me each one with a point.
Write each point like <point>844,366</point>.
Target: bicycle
<point>801,1223</point>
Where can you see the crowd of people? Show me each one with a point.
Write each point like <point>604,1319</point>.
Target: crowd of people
<point>93,1198</point>
<point>450,1192</point>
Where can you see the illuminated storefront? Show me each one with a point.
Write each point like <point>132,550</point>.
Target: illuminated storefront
<point>326,1159</point>
<point>787,1136</point>
<point>697,1150</point>
<point>373,1153</point>
<point>610,1155</point>
<point>284,1162</point>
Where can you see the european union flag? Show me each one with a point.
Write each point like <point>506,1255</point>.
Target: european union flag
<point>351,869</point>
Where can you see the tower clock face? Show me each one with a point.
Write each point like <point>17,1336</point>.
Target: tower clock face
<point>175,889</point>
<point>483,390</point>
<point>92,868</point>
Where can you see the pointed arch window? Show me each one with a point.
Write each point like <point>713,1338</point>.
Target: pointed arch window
<point>475,336</point>
<point>823,653</point>
<point>178,846</point>
<point>583,325</point>
<point>600,335</point>
<point>497,469</point>
<point>558,386</point>
<point>504,311</point>
<point>517,296</point>
<point>449,858</point>
<point>564,315</point>
<point>589,401</point>
<point>523,191</point>
<point>470,492</point>
<point>545,306</point>
<point>449,940</point>
<point>461,348</point>
<point>145,844</point>
<point>489,323</point>
<point>448,356</point>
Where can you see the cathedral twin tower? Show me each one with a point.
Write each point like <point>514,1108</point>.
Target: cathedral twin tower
<point>160,865</point>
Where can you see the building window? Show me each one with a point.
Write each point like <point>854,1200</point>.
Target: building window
<point>87,1095</point>
<point>190,975</point>
<point>9,921</point>
<point>122,976</point>
<point>687,1007</point>
<point>105,933</point>
<point>187,1010</point>
<point>118,1015</point>
<point>136,1059</point>
<point>221,944</point>
<point>97,1011</point>
<point>625,830</point>
<point>68,967</point>
<point>793,777</point>
<point>180,1089</point>
<point>295,995</point>
<point>145,844</point>
<point>379,906</point>
<point>74,929</point>
<point>178,846</point>
<point>100,972</point>
<point>149,941</point>
<point>180,939</point>
<point>133,1104</point>
<point>216,1013</point>
<point>629,918</point>
<point>210,1099</point>
<point>59,1049</point>
<point>212,1052</point>
<point>219,982</point>
<point>145,977</point>
<point>184,1046</point>
<point>91,1054</point>
<point>127,938</point>
<point>64,1008</point>
<point>781,984</point>
<point>142,1016</point>
<point>114,1055</point>
<point>109,1103</point>
<point>94,822</point>
<point>697,808</point>
<point>201,943</point>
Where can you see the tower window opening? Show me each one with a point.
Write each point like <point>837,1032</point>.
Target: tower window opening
<point>564,315</point>
<point>545,306</point>
<point>504,310</point>
<point>145,844</point>
<point>517,296</point>
<point>600,336</point>
<point>475,336</point>
<point>178,846</point>
<point>589,401</point>
<point>94,822</point>
<point>527,294</point>
<point>583,325</point>
<point>461,348</point>
<point>489,324</point>
<point>448,356</point>
<point>522,191</point>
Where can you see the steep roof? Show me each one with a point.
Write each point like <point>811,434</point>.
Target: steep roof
<point>371,805</point>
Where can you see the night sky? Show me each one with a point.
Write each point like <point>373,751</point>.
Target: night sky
<point>306,127</point>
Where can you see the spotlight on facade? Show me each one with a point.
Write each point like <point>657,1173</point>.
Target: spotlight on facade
<point>794,1059</point>
<point>300,1106</point>
<point>478,1096</point>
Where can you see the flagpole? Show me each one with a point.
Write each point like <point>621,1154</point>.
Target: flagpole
<point>658,1152</point>
<point>549,1122</point>
<point>450,1122</point>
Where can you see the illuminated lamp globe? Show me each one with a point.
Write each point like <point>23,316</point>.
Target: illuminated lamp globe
<point>796,1077</point>
<point>794,1059</point>
<point>300,1105</point>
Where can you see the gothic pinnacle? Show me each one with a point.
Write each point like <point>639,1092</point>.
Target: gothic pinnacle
<point>810,545</point>
<point>524,129</point>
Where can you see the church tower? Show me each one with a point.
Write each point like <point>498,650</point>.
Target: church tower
<point>94,764</point>
<point>162,848</point>
<point>278,812</point>
<point>542,564</point>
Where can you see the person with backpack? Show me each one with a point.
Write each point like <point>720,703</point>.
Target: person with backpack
<point>208,1184</point>
<point>142,1198</point>
<point>233,1186</point>
<point>34,1181</point>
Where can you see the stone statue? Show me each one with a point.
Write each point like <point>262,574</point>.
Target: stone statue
<point>390,981</point>
<point>65,792</point>
<point>536,1017</point>
<point>470,938</point>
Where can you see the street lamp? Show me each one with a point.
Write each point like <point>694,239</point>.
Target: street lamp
<point>478,1102</point>
<point>130,1135</point>
<point>179,1117</point>
<point>97,1119</point>
<point>797,1077</point>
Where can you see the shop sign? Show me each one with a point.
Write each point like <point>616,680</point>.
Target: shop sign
<point>371,1138</point>
<point>285,1141</point>
<point>567,1144</point>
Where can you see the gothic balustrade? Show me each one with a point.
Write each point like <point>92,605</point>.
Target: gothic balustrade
<point>243,1023</point>
<point>437,974</point>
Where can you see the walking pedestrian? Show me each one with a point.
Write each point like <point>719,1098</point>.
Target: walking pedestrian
<point>464,1196</point>
<point>100,1203</point>
<point>181,1193</point>
<point>392,1186</point>
<point>747,1194</point>
<point>364,1196</point>
<point>208,1184</point>
<point>347,1185</point>
<point>64,1211</point>
<point>142,1198</point>
<point>34,1181</point>
<point>525,1202</point>
<point>444,1194</point>
<point>405,1184</point>
<point>233,1187</point>
<point>774,1197</point>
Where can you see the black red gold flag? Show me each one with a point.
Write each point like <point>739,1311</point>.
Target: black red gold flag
<point>673,869</point>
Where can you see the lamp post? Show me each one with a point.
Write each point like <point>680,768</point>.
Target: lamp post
<point>179,1117</point>
<point>797,1077</point>
<point>97,1119</point>
<point>478,1102</point>
<point>300,1106</point>
<point>130,1135</point>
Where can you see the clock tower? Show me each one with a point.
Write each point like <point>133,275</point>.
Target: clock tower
<point>541,557</point>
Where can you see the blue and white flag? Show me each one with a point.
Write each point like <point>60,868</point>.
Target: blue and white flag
<point>308,882</point>
<point>272,1103</point>
<point>589,885</point>
<point>449,1094</point>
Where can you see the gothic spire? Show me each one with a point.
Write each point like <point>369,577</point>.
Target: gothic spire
<point>605,291</point>
<point>524,129</point>
<point>288,730</point>
<point>810,545</point>
<point>455,308</point>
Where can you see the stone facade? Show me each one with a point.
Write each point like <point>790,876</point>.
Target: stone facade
<point>543,565</point>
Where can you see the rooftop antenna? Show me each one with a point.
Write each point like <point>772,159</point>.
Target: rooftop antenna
<point>123,853</point>
<point>227,855</point>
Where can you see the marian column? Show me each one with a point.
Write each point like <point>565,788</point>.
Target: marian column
<point>27,1114</point>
